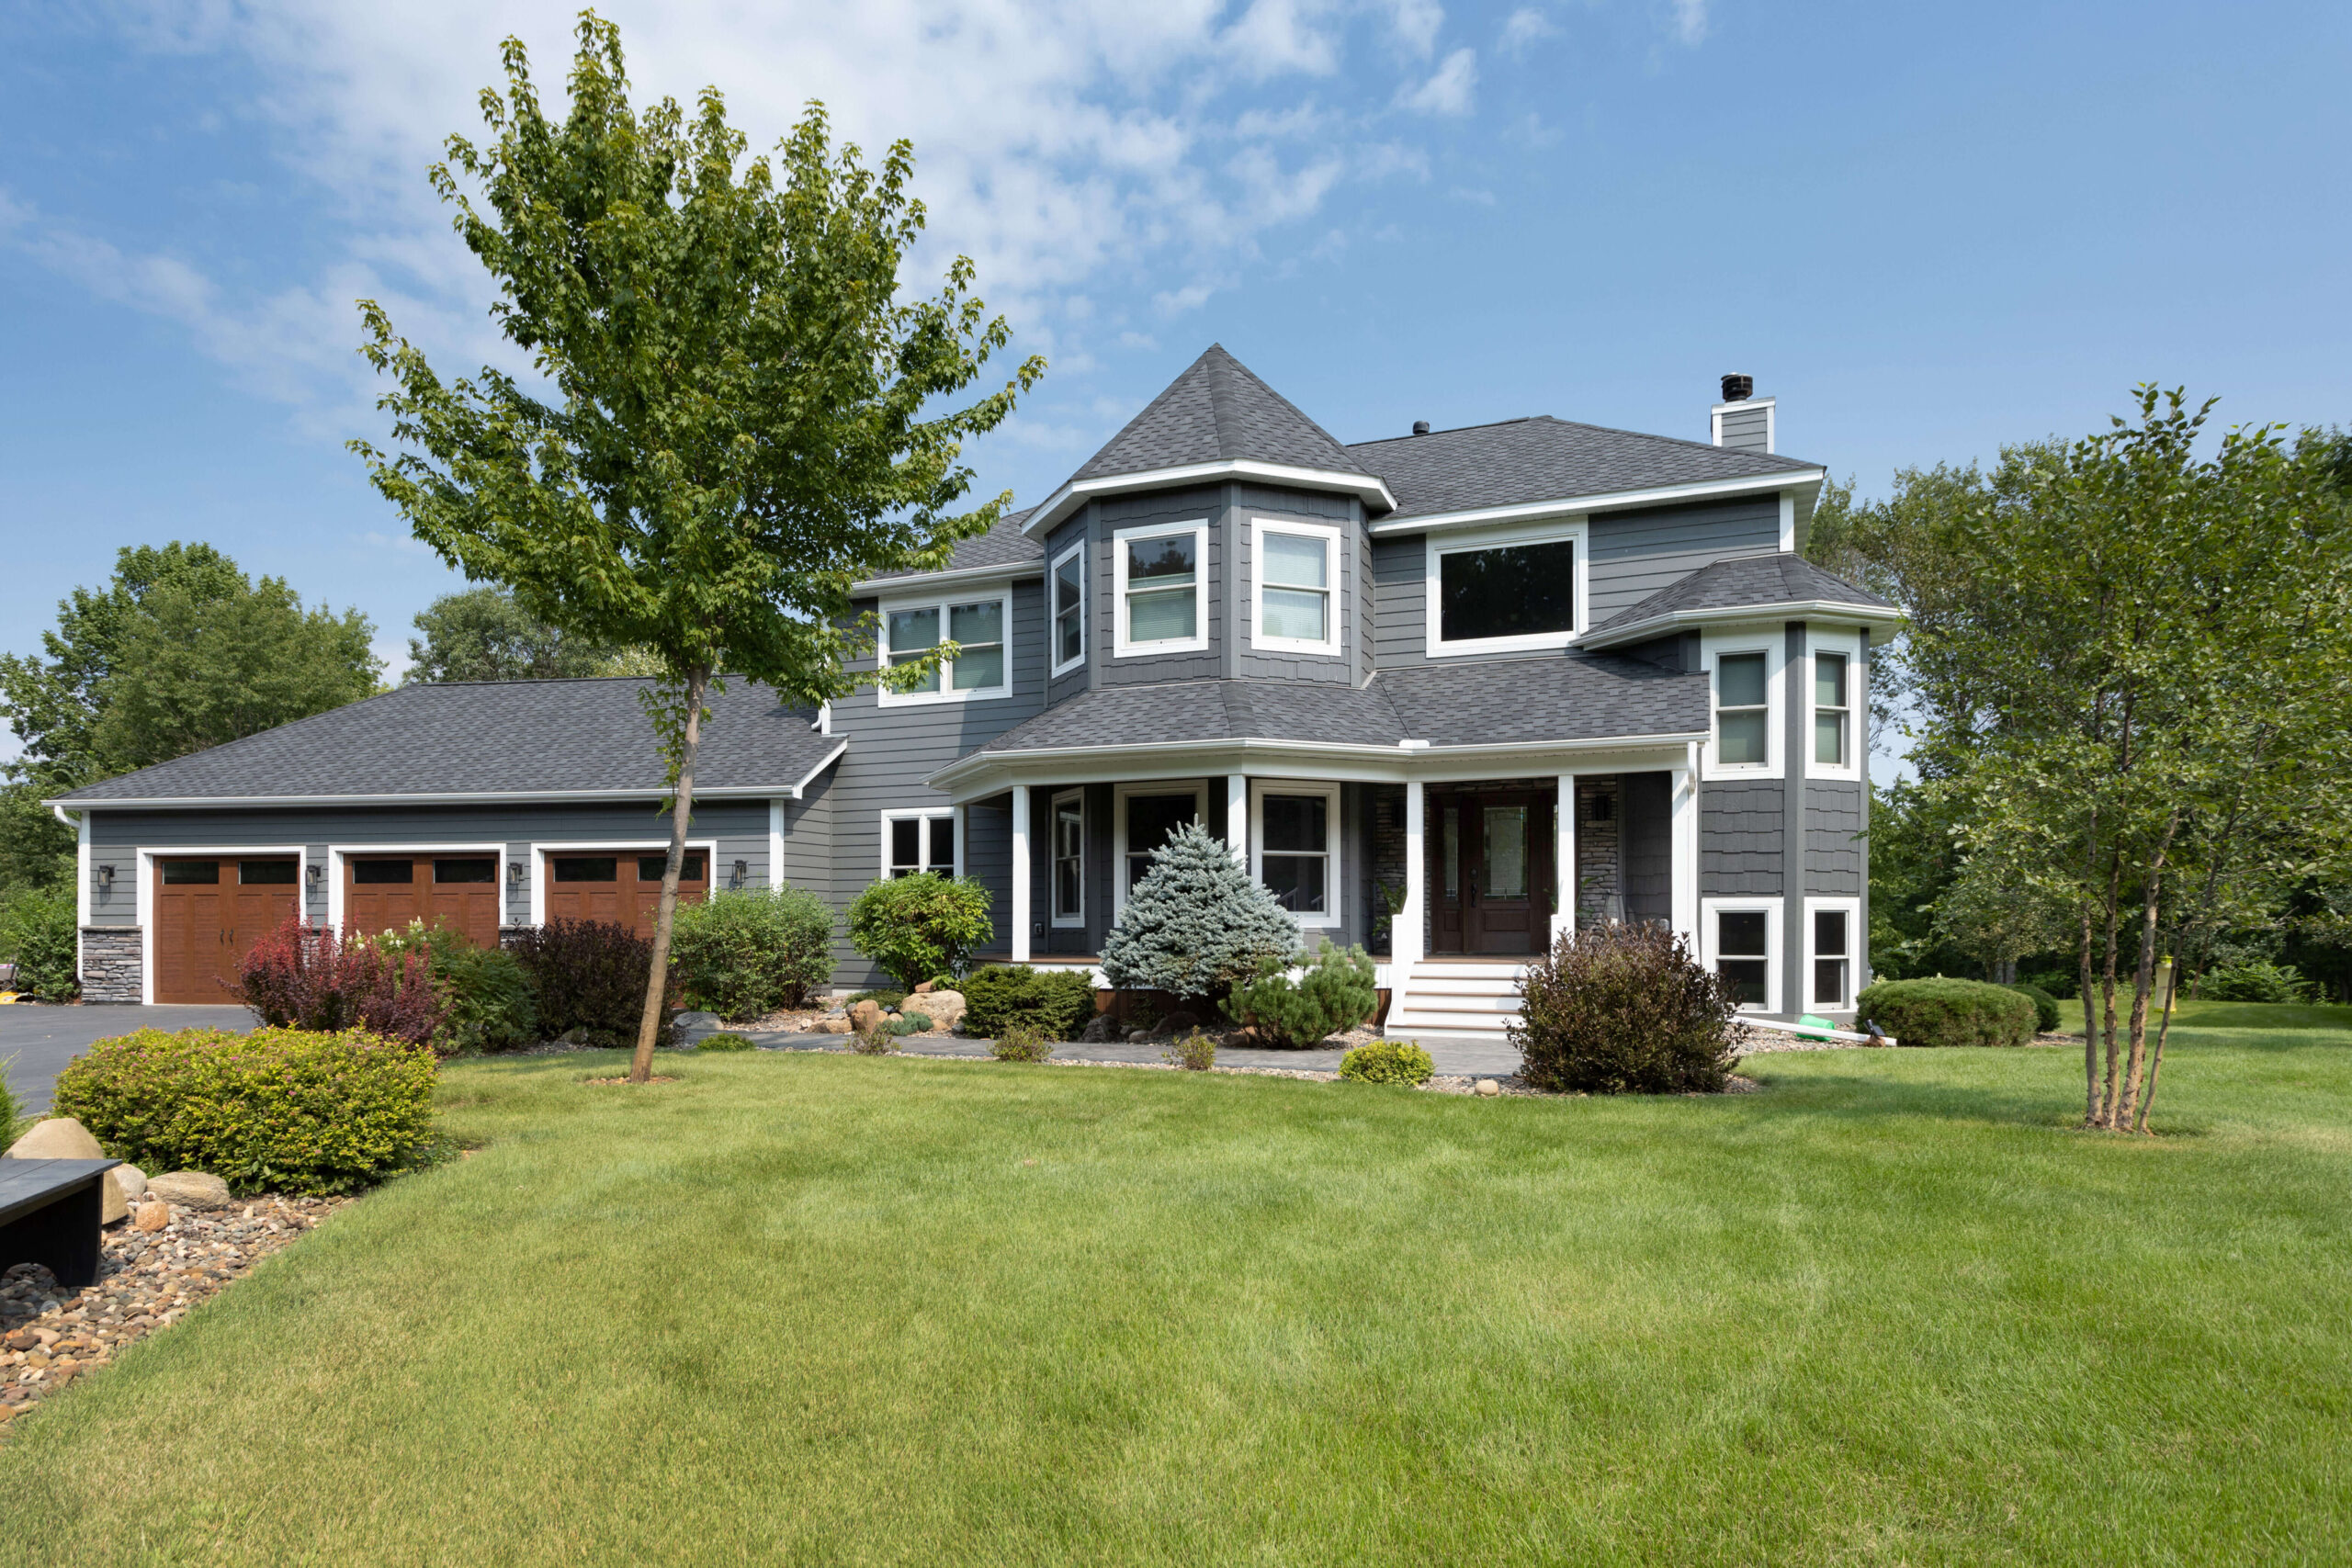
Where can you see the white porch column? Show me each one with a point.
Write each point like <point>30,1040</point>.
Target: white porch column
<point>1237,817</point>
<point>1020,873</point>
<point>1685,786</point>
<point>1564,875</point>
<point>1404,931</point>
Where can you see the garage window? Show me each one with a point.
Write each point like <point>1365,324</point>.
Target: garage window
<point>368,872</point>
<point>265,873</point>
<point>586,868</point>
<point>482,870</point>
<point>176,871</point>
<point>696,869</point>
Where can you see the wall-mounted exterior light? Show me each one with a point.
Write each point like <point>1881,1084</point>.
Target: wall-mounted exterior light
<point>105,879</point>
<point>742,874</point>
<point>515,874</point>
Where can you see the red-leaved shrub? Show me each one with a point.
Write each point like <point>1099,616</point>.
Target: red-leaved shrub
<point>1624,1009</point>
<point>588,977</point>
<point>304,977</point>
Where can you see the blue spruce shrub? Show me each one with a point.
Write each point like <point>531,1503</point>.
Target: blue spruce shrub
<point>1197,924</point>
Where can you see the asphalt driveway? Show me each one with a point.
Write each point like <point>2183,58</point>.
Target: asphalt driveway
<point>35,1041</point>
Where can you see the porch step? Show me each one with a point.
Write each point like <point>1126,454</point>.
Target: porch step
<point>1458,996</point>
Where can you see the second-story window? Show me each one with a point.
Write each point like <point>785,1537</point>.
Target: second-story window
<point>1506,590</point>
<point>1297,567</point>
<point>1161,577</point>
<point>1829,710</point>
<point>1068,608</point>
<point>1743,712</point>
<point>977,627</point>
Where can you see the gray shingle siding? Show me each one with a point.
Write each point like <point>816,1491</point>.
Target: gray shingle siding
<point>1252,503</point>
<point>1833,852</point>
<point>1204,503</point>
<point>1741,838</point>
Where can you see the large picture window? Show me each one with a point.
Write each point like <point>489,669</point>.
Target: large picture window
<point>1162,577</point>
<point>1295,848</point>
<point>1069,607</point>
<point>1070,858</point>
<point>918,840</point>
<point>1296,567</point>
<point>977,627</point>
<point>1498,592</point>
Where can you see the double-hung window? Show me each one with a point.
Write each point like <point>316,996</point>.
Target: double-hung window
<point>1070,858</point>
<point>1833,956</point>
<point>1832,713</point>
<point>1742,711</point>
<point>1296,848</point>
<point>977,627</point>
<point>918,840</point>
<point>1298,572</point>
<point>1743,953</point>
<point>1163,573</point>
<point>1147,815</point>
<point>1067,586</point>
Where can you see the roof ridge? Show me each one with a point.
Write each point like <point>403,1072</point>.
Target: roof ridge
<point>1454,429</point>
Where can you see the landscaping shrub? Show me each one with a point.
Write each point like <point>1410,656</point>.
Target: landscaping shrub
<point>589,979</point>
<point>1387,1061</point>
<point>1624,1009</point>
<point>1197,924</point>
<point>2045,1007</point>
<point>1334,994</point>
<point>2059,983</point>
<point>1949,1012</point>
<point>876,1042</point>
<point>1056,1003</point>
<point>1021,1043</point>
<point>36,933</point>
<point>486,1002</point>
<point>916,926</point>
<point>744,953</point>
<point>278,1109</point>
<point>884,997</point>
<point>1196,1052</point>
<point>2257,980</point>
<point>902,1024</point>
<point>306,977</point>
<point>14,1122</point>
<point>725,1042</point>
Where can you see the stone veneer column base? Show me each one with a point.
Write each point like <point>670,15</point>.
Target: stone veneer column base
<point>110,964</point>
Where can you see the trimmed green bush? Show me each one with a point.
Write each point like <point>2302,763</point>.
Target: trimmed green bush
<point>916,926</point>
<point>2257,980</point>
<point>1196,925</point>
<point>725,1042</point>
<point>1196,1052</point>
<point>744,953</point>
<point>1056,1003</point>
<point>36,933</point>
<point>1624,1009</point>
<point>1335,993</point>
<point>1387,1061</point>
<point>1942,1012</point>
<point>1021,1043</point>
<point>278,1109</point>
<point>2045,1007</point>
<point>486,1001</point>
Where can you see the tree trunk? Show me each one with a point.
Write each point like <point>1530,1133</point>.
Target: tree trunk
<point>2156,1062</point>
<point>648,1027</point>
<point>2090,1028</point>
<point>2105,1117</point>
<point>2143,976</point>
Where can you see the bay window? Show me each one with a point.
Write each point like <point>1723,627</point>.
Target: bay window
<point>1742,711</point>
<point>1740,938</point>
<point>1297,570</point>
<point>1496,592</point>
<point>1163,575</point>
<point>1831,711</point>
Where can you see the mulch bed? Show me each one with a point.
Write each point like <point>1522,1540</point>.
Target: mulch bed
<point>147,1280</point>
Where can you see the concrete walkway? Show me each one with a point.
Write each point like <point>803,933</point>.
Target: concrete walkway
<point>36,1042</point>
<point>1469,1057</point>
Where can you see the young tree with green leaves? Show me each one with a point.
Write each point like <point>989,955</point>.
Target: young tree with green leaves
<point>735,417</point>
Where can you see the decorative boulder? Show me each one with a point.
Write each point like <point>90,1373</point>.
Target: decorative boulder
<point>130,1180</point>
<point>866,1017</point>
<point>831,1024</point>
<point>945,1008</point>
<point>57,1138</point>
<point>190,1190</point>
<point>694,1026</point>
<point>154,1214</point>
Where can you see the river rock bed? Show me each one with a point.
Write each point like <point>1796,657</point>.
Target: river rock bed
<point>147,1280</point>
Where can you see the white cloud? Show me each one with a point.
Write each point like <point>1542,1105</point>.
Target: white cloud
<point>1691,21</point>
<point>1524,27</point>
<point>1413,24</point>
<point>1448,92</point>
<point>1137,340</point>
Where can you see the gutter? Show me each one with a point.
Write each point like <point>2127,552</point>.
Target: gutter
<point>1404,751</point>
<point>1785,609</point>
<point>473,797</point>
<point>1368,488</point>
<point>883,587</point>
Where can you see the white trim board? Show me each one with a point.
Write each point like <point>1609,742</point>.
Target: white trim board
<point>1602,501</point>
<point>946,604</point>
<point>1772,907</point>
<point>143,906</point>
<point>926,815</point>
<point>1334,840</point>
<point>1057,666</point>
<point>1077,492</point>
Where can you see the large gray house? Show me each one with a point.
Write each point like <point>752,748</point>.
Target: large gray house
<point>1447,693</point>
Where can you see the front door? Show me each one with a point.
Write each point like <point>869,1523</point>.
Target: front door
<point>1491,872</point>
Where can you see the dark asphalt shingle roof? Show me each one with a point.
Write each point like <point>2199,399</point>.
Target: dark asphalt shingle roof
<point>1570,697</point>
<point>1218,411</point>
<point>1542,458</point>
<point>487,739</point>
<point>1003,545</point>
<point>1744,580</point>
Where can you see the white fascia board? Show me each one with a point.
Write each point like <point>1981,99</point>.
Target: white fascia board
<point>923,581</point>
<point>1606,501</point>
<point>830,758</point>
<point>470,797</point>
<point>1786,610</point>
<point>1076,493</point>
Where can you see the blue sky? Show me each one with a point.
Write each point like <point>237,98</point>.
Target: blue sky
<point>1926,229</point>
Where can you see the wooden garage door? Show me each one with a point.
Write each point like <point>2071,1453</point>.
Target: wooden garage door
<point>384,892</point>
<point>210,910</point>
<point>618,885</point>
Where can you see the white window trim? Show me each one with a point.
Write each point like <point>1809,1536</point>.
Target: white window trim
<point>924,814</point>
<point>1849,644</point>
<point>1059,665</point>
<point>1772,643</point>
<point>1334,879</point>
<point>1326,646</point>
<point>143,904</point>
<point>1774,910</point>
<point>1122,648</point>
<point>541,875</point>
<point>1855,938</point>
<point>1548,532</point>
<point>885,697</point>
<point>1076,919</point>
<point>1120,793</point>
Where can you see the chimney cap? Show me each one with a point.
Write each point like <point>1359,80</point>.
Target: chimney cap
<point>1421,427</point>
<point>1738,388</point>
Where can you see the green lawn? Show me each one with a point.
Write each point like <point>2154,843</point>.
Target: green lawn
<point>819,1309</point>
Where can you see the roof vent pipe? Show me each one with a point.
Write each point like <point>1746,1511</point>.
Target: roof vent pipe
<point>1421,427</point>
<point>1738,388</point>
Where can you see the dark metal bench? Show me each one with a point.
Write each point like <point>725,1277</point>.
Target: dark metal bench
<point>50,1210</point>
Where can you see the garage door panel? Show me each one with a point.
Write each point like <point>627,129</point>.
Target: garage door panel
<point>210,911</point>
<point>386,892</point>
<point>621,887</point>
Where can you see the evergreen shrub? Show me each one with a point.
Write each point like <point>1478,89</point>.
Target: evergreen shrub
<point>278,1109</point>
<point>1625,1008</point>
<point>2257,980</point>
<point>589,978</point>
<point>916,926</point>
<point>1197,924</point>
<point>2045,1007</point>
<point>1387,1061</point>
<point>744,953</point>
<point>1056,1003</point>
<point>486,1002</point>
<point>1947,1013</point>
<point>1335,993</point>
